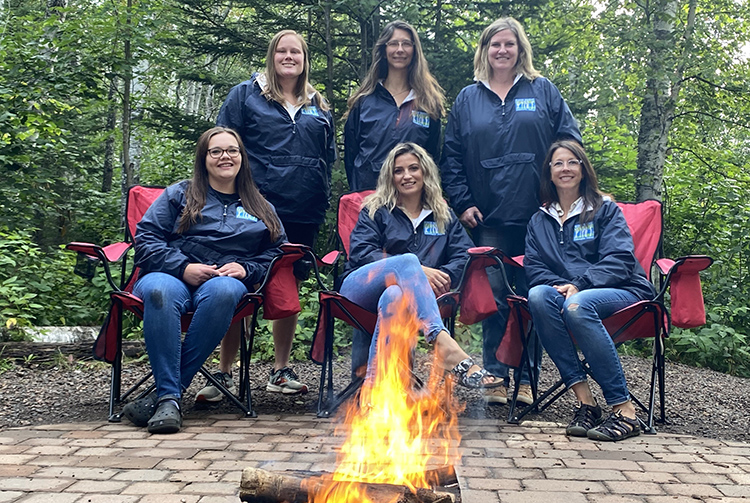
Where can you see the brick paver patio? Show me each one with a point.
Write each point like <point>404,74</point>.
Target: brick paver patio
<point>117,463</point>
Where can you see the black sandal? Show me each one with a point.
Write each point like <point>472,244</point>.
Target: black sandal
<point>586,418</point>
<point>473,381</point>
<point>615,428</point>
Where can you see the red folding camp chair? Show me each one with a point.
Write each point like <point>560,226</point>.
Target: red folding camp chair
<point>108,346</point>
<point>649,318</point>
<point>334,306</point>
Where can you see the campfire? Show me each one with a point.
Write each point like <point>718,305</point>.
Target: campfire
<point>401,437</point>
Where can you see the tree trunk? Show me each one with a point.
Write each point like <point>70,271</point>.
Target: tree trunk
<point>109,144</point>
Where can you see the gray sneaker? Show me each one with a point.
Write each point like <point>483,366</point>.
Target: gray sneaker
<point>285,381</point>
<point>211,393</point>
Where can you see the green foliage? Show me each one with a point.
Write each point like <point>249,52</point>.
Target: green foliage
<point>716,346</point>
<point>38,288</point>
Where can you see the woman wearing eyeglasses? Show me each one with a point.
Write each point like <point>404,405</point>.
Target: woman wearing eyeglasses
<point>201,246</point>
<point>499,130</point>
<point>581,265</point>
<point>399,101</point>
<point>289,135</point>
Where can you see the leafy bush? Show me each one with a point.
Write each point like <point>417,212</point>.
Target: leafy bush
<point>38,288</point>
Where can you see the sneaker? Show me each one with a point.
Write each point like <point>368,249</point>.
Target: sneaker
<point>524,394</point>
<point>586,417</point>
<point>497,395</point>
<point>211,393</point>
<point>285,381</point>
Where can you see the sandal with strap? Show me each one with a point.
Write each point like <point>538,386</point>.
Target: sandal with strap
<point>615,428</point>
<point>167,418</point>
<point>475,380</point>
<point>586,417</point>
<point>140,411</point>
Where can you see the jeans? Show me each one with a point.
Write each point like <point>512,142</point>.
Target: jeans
<point>558,320</point>
<point>511,240</point>
<point>165,298</point>
<point>377,285</point>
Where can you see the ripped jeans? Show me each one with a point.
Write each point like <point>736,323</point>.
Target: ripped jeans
<point>558,320</point>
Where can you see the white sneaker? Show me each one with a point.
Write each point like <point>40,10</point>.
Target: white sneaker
<point>211,393</point>
<point>285,381</point>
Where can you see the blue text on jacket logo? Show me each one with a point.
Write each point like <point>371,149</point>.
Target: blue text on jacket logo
<point>420,118</point>
<point>241,213</point>
<point>431,229</point>
<point>310,110</point>
<point>525,105</point>
<point>583,232</point>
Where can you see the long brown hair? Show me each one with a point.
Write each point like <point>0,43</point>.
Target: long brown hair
<point>251,198</point>
<point>432,196</point>
<point>303,88</point>
<point>524,64</point>
<point>429,94</point>
<point>588,189</point>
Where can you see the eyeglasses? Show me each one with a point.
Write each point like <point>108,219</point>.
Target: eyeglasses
<point>216,153</point>
<point>406,44</point>
<point>572,163</point>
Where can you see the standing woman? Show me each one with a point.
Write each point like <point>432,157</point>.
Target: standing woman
<point>289,136</point>
<point>201,246</point>
<point>399,101</point>
<point>498,133</point>
<point>581,265</point>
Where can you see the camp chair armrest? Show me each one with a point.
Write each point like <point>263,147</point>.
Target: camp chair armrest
<point>331,257</point>
<point>497,253</point>
<point>110,253</point>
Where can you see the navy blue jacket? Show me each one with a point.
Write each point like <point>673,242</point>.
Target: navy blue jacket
<point>375,125</point>
<point>598,254</point>
<point>225,234</point>
<point>494,150</point>
<point>291,159</point>
<point>392,233</point>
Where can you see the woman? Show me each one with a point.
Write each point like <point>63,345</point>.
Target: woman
<point>201,246</point>
<point>290,139</point>
<point>399,101</point>
<point>581,266</point>
<point>498,132</point>
<point>407,220</point>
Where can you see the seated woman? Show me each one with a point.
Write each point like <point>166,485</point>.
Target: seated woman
<point>201,246</point>
<point>407,221</point>
<point>580,264</point>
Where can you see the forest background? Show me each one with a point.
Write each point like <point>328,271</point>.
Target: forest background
<point>97,95</point>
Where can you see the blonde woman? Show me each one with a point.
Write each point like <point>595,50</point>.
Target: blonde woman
<point>498,133</point>
<point>399,101</point>
<point>289,136</point>
<point>425,247</point>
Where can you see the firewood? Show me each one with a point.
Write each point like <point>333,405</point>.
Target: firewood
<point>261,486</point>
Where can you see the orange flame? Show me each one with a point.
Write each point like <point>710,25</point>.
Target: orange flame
<point>395,433</point>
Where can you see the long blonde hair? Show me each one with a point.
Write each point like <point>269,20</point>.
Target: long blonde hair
<point>432,197</point>
<point>303,88</point>
<point>429,94</point>
<point>524,64</point>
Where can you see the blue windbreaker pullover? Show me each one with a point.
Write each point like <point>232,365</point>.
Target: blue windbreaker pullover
<point>375,125</point>
<point>597,254</point>
<point>494,149</point>
<point>392,233</point>
<point>291,159</point>
<point>226,233</point>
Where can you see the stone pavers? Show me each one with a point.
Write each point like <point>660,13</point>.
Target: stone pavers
<point>117,463</point>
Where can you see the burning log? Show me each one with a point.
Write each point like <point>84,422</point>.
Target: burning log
<point>261,486</point>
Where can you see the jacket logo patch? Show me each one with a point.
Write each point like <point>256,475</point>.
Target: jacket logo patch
<point>583,232</point>
<point>241,213</point>
<point>310,110</point>
<point>525,105</point>
<point>420,118</point>
<point>431,229</point>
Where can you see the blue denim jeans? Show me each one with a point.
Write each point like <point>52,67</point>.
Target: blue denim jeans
<point>511,240</point>
<point>558,320</point>
<point>369,287</point>
<point>174,361</point>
